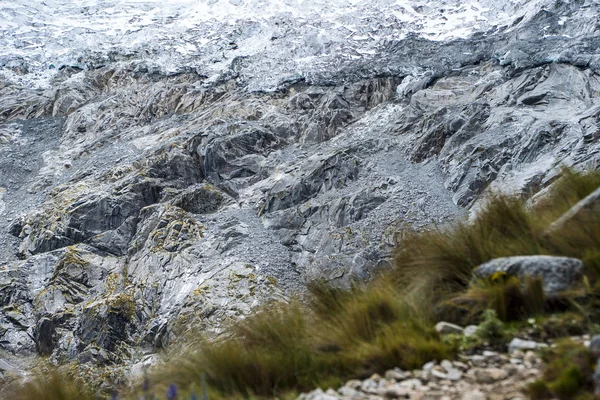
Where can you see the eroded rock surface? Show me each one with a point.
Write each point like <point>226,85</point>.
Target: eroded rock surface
<point>137,202</point>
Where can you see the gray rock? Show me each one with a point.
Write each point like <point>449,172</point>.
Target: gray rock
<point>520,344</point>
<point>470,330</point>
<point>557,273</point>
<point>445,328</point>
<point>454,374</point>
<point>395,392</point>
<point>396,374</point>
<point>474,395</point>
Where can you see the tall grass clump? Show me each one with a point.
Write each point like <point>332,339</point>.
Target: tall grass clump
<point>295,347</point>
<point>436,266</point>
<point>50,386</point>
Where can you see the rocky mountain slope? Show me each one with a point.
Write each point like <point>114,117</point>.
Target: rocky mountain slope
<point>147,188</point>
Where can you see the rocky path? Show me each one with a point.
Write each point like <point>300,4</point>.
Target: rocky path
<point>485,375</point>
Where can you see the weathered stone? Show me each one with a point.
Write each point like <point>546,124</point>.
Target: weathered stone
<point>474,395</point>
<point>395,392</point>
<point>454,374</point>
<point>445,328</point>
<point>489,375</point>
<point>396,374</point>
<point>557,273</point>
<point>470,330</point>
<point>446,365</point>
<point>520,344</point>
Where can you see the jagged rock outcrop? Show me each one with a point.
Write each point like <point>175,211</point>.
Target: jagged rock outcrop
<point>137,202</point>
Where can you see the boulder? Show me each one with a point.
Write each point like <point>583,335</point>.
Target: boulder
<point>557,273</point>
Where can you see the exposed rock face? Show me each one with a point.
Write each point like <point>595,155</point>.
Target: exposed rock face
<point>136,203</point>
<point>557,273</point>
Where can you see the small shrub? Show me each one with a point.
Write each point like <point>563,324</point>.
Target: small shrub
<point>491,329</point>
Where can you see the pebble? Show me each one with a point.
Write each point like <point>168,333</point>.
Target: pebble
<point>470,330</point>
<point>396,374</point>
<point>395,392</point>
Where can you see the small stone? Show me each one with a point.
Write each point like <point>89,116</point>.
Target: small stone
<point>445,328</point>
<point>595,346</point>
<point>474,395</point>
<point>530,358</point>
<point>518,354</point>
<point>369,386</point>
<point>454,374</point>
<point>470,330</point>
<point>489,375</point>
<point>411,384</point>
<point>461,365</point>
<point>428,366</point>
<point>490,354</point>
<point>520,344</point>
<point>395,392</point>
<point>447,365</point>
<point>516,361</point>
<point>438,373</point>
<point>348,392</point>
<point>396,374</point>
<point>511,369</point>
<point>375,377</point>
<point>432,396</point>
<point>478,361</point>
<point>318,394</point>
<point>353,384</point>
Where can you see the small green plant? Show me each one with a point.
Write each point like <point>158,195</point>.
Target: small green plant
<point>491,329</point>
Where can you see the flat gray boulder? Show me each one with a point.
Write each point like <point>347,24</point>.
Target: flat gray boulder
<point>557,273</point>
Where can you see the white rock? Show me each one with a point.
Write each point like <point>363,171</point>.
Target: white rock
<point>411,384</point>
<point>445,328</point>
<point>447,365</point>
<point>530,358</point>
<point>395,392</point>
<point>396,374</point>
<point>521,344</point>
<point>353,384</point>
<point>428,366</point>
<point>348,392</point>
<point>369,386</point>
<point>438,374</point>
<point>454,374</point>
<point>470,330</point>
<point>474,395</point>
<point>489,375</point>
